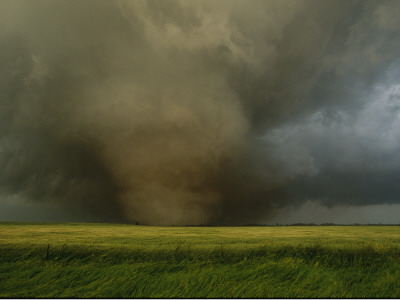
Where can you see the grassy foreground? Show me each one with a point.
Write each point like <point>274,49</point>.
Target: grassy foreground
<point>106,260</point>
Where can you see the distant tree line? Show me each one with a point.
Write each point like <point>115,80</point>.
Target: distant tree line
<point>294,224</point>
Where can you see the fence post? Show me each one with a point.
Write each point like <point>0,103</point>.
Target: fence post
<point>47,251</point>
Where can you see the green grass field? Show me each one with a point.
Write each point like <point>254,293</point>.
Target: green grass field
<point>106,260</point>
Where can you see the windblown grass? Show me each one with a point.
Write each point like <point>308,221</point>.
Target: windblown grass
<point>107,260</point>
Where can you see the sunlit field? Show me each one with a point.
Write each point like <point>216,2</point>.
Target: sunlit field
<point>107,260</point>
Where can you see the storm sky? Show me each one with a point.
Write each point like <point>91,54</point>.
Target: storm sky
<point>200,112</point>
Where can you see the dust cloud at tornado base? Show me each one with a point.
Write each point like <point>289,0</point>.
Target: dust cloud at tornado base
<point>212,112</point>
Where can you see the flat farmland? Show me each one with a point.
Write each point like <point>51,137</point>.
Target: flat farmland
<point>77,260</point>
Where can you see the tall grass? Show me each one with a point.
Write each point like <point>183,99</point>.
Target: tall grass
<point>103,260</point>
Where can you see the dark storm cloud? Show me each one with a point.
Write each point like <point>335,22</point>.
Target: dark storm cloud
<point>174,112</point>
<point>347,158</point>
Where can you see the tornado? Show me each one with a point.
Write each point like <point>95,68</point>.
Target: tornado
<point>189,113</point>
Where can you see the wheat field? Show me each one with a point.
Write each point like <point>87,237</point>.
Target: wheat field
<point>129,261</point>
